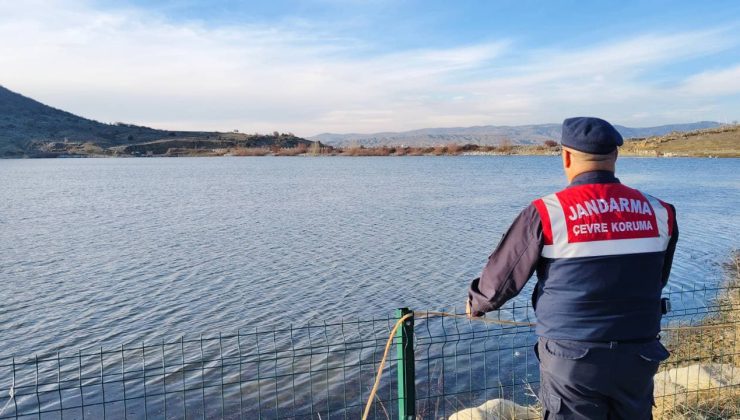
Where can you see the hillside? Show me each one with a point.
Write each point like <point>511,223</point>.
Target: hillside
<point>24,123</point>
<point>723,141</point>
<point>29,128</point>
<point>486,135</point>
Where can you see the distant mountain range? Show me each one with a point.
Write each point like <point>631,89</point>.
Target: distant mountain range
<point>487,135</point>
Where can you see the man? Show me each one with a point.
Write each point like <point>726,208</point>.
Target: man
<point>603,253</point>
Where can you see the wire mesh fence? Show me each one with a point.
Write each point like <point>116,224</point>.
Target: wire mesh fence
<point>326,370</point>
<point>314,370</point>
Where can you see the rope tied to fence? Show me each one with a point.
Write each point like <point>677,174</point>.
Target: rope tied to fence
<point>429,314</point>
<point>382,364</point>
<point>426,314</point>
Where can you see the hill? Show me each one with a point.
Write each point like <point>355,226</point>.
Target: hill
<point>29,128</point>
<point>723,141</point>
<point>489,135</point>
<point>24,123</point>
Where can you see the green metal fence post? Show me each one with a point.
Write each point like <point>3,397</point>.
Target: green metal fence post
<point>405,366</point>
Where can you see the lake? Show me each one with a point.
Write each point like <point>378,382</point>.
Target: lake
<point>116,250</point>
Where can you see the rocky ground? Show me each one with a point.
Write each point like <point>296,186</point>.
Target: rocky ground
<point>723,141</point>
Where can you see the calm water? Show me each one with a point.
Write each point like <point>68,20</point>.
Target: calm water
<point>114,250</point>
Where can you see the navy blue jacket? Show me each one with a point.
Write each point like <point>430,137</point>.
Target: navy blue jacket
<point>589,298</point>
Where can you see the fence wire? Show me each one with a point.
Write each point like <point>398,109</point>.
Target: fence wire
<point>326,370</point>
<point>300,372</point>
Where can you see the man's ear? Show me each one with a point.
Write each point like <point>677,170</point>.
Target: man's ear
<point>566,158</point>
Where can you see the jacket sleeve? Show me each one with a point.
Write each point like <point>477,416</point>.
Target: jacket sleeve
<point>510,265</point>
<point>668,261</point>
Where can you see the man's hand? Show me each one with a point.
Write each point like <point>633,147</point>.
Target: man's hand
<point>469,310</point>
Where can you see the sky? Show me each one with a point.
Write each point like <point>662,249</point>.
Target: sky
<point>342,66</point>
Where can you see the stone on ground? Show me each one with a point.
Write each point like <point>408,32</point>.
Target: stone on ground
<point>496,409</point>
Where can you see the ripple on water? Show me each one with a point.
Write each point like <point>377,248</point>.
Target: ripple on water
<point>126,250</point>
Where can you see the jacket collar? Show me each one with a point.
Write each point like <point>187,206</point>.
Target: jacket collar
<point>594,177</point>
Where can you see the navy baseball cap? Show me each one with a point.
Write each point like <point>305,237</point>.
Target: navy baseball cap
<point>590,135</point>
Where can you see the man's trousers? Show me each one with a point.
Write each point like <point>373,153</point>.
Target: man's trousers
<point>598,380</point>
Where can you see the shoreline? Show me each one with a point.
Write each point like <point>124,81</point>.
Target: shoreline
<point>197,153</point>
<point>721,142</point>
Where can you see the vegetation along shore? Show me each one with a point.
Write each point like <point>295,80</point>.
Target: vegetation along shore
<point>700,380</point>
<point>723,142</point>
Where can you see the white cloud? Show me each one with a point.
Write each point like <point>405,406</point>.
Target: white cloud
<point>127,65</point>
<point>605,79</point>
<point>714,83</point>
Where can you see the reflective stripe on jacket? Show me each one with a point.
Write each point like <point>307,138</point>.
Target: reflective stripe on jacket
<point>606,245</point>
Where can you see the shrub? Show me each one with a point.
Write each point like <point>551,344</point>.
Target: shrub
<point>315,149</point>
<point>505,146</point>
<point>290,151</point>
<point>91,148</point>
<point>453,149</point>
<point>439,150</point>
<point>251,151</point>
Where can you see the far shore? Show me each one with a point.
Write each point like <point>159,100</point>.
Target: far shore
<point>716,142</point>
<point>389,151</point>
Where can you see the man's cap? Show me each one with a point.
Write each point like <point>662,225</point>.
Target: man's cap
<point>590,135</point>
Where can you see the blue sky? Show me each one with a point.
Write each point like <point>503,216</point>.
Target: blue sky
<point>375,65</point>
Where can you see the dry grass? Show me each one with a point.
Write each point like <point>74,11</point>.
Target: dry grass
<point>704,346</point>
<point>451,149</point>
<point>366,151</point>
<point>506,146</point>
<point>92,149</point>
<point>250,151</point>
<point>439,150</point>
<point>718,404</point>
<point>301,149</point>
